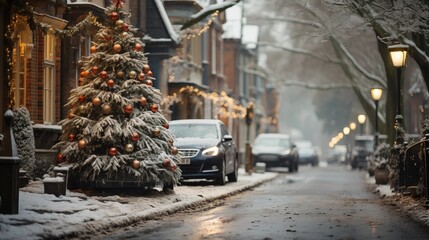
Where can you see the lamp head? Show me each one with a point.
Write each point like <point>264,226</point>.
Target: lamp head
<point>376,93</point>
<point>398,55</point>
<point>361,118</point>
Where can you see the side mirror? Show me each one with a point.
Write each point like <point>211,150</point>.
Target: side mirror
<point>227,138</point>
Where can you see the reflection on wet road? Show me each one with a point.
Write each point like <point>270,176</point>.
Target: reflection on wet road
<point>315,203</point>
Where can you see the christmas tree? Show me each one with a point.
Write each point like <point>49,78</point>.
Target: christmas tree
<point>115,126</point>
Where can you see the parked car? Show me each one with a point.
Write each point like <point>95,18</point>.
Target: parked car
<point>275,150</point>
<point>308,155</point>
<point>363,147</point>
<point>338,154</point>
<point>207,150</point>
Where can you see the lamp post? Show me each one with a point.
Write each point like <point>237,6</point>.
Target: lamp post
<point>248,150</point>
<point>376,94</point>
<point>361,120</point>
<point>398,55</point>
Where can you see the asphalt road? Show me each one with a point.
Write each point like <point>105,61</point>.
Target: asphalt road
<point>317,203</point>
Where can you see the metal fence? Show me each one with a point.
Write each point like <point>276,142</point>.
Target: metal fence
<point>413,172</point>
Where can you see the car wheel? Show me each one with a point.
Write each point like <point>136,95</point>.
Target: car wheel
<point>222,174</point>
<point>296,166</point>
<point>232,177</point>
<point>291,167</point>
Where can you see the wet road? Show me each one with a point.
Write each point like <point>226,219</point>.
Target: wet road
<point>316,203</point>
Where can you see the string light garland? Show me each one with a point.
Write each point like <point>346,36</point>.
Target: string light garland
<point>222,100</point>
<point>194,32</point>
<point>10,58</point>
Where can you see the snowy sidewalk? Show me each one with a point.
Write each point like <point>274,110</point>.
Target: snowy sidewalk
<point>46,216</point>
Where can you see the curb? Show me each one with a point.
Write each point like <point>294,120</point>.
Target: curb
<point>82,230</point>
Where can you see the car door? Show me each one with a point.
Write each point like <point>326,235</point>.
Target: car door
<point>230,150</point>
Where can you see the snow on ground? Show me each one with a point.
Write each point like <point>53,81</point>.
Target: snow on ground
<point>407,205</point>
<point>46,216</point>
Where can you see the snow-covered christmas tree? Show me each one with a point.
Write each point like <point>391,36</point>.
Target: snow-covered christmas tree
<point>115,131</point>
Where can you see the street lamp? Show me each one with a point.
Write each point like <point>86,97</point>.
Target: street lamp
<point>352,126</point>
<point>346,130</point>
<point>361,120</point>
<point>376,93</point>
<point>398,55</point>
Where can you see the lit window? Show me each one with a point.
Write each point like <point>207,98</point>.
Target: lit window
<point>49,80</point>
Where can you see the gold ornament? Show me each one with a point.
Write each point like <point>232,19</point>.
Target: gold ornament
<point>120,74</point>
<point>129,148</point>
<point>120,23</point>
<point>132,74</point>
<point>96,101</point>
<point>81,144</point>
<point>135,164</point>
<point>107,109</point>
<point>117,48</point>
<point>156,132</point>
<point>174,150</point>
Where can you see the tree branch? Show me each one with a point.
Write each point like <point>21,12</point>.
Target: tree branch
<point>301,51</point>
<point>207,11</point>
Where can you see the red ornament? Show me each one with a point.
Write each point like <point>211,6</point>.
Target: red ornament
<point>150,74</point>
<point>166,126</point>
<point>154,108</point>
<point>135,137</point>
<point>141,76</point>
<point>81,79</point>
<point>93,49</point>
<point>114,16</point>
<point>149,83</point>
<point>60,158</point>
<point>103,74</point>
<point>71,137</point>
<point>138,47</point>
<point>166,163</point>
<point>94,70</point>
<point>81,99</point>
<point>110,83</point>
<point>112,152</point>
<point>173,168</point>
<point>128,109</point>
<point>143,101</point>
<point>125,27</point>
<point>146,68</point>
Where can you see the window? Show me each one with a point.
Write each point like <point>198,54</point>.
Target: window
<point>49,80</point>
<point>19,74</point>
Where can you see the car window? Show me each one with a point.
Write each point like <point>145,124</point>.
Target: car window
<point>278,142</point>
<point>195,131</point>
<point>224,130</point>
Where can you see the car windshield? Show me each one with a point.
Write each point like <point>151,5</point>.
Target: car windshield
<point>275,142</point>
<point>306,151</point>
<point>365,144</point>
<point>195,131</point>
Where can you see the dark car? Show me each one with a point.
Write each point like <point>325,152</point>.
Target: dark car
<point>308,155</point>
<point>362,149</point>
<point>275,150</point>
<point>207,150</point>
